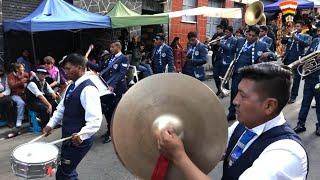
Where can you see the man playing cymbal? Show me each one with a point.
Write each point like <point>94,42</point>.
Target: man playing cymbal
<point>260,144</point>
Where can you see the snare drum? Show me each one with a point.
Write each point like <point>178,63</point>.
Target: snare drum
<point>34,160</point>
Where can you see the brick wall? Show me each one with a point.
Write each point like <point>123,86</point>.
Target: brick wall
<point>181,29</point>
<point>17,9</point>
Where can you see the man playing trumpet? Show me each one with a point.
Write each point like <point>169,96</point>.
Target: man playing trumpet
<point>309,92</point>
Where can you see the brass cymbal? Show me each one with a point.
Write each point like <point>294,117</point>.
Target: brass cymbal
<point>169,100</point>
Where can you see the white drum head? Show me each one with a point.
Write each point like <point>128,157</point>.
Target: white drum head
<point>37,152</point>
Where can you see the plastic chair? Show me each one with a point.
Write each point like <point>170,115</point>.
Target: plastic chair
<point>35,127</point>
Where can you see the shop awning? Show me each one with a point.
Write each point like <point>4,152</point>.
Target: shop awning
<point>121,17</point>
<point>302,4</point>
<point>57,15</point>
<point>209,12</point>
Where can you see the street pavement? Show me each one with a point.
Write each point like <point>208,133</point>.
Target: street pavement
<point>101,163</point>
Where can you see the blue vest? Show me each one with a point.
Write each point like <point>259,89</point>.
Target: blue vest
<point>74,114</point>
<point>246,160</point>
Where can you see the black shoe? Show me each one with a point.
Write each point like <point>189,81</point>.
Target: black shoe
<point>231,117</point>
<point>106,140</point>
<point>218,93</point>
<point>291,100</point>
<point>299,129</point>
<point>318,131</point>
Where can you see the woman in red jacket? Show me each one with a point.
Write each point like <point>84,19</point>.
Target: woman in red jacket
<point>178,54</point>
<point>18,81</point>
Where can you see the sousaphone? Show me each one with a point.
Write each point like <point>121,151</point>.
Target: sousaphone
<point>163,101</point>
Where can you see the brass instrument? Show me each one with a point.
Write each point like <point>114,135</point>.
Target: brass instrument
<point>254,15</point>
<point>216,40</point>
<point>309,64</point>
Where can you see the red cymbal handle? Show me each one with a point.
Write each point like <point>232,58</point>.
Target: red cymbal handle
<point>160,171</point>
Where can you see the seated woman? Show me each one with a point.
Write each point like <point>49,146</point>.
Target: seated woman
<point>8,108</point>
<point>18,81</point>
<point>40,96</point>
<point>53,78</point>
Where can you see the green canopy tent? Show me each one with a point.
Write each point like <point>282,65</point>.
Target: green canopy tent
<point>122,17</point>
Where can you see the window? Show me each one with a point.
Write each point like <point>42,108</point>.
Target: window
<point>189,4</point>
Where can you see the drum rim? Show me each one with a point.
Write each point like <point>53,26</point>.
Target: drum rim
<point>26,163</point>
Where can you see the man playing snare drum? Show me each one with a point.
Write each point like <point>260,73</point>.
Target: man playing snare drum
<point>80,115</point>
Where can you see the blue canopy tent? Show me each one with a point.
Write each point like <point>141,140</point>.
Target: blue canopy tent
<point>302,4</point>
<point>53,15</point>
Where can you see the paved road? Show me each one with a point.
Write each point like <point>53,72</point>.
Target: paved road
<point>101,163</point>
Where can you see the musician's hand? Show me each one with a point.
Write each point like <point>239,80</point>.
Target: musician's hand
<point>47,130</point>
<point>54,95</point>
<point>110,88</point>
<point>49,109</point>
<point>76,140</point>
<point>264,57</point>
<point>171,146</point>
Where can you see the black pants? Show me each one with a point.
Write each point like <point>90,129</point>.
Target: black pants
<point>8,110</point>
<point>41,109</point>
<point>108,105</point>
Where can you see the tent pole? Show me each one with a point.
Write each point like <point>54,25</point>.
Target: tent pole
<point>34,49</point>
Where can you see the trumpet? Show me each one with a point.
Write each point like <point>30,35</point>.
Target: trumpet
<point>291,34</point>
<point>216,40</point>
<point>309,64</point>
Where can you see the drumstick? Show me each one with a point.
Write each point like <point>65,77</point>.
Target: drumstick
<point>63,139</point>
<point>37,138</point>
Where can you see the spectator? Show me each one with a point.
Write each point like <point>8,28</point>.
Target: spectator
<point>178,54</point>
<point>8,108</point>
<point>40,96</point>
<point>53,78</point>
<point>25,60</point>
<point>18,81</point>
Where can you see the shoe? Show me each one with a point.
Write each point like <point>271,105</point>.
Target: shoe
<point>231,117</point>
<point>106,140</point>
<point>218,93</point>
<point>299,129</point>
<point>291,101</point>
<point>131,82</point>
<point>318,131</point>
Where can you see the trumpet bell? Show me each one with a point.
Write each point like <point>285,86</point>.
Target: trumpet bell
<point>254,13</point>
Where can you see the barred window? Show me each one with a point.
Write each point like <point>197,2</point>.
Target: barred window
<point>189,4</point>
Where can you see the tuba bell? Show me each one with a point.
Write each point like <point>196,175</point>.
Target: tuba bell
<point>254,14</point>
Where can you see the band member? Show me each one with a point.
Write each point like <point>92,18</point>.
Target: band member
<point>263,36</point>
<point>196,57</point>
<point>224,56</point>
<point>309,92</point>
<point>80,115</point>
<point>113,73</point>
<point>162,56</point>
<point>295,47</point>
<point>214,47</point>
<point>40,96</point>
<point>248,51</point>
<point>260,143</point>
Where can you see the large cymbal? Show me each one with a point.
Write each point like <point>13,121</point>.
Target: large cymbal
<point>174,100</point>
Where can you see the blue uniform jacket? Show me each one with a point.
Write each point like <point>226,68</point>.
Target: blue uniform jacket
<point>267,40</point>
<point>246,59</point>
<point>197,56</point>
<point>226,51</point>
<point>297,48</point>
<point>313,47</point>
<point>117,72</point>
<point>162,56</point>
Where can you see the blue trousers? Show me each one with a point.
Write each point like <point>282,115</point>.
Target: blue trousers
<point>70,158</point>
<point>234,90</point>
<point>308,94</point>
<point>296,84</point>
<point>219,70</point>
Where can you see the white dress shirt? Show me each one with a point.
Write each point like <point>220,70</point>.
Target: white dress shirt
<point>281,160</point>
<point>36,91</point>
<point>90,101</point>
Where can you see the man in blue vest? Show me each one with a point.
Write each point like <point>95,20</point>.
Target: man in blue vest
<point>196,57</point>
<point>309,92</point>
<point>80,114</point>
<point>261,145</point>
<point>295,48</point>
<point>162,56</point>
<point>224,56</point>
<point>113,72</point>
<point>248,51</point>
<point>40,96</point>
<point>263,37</point>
